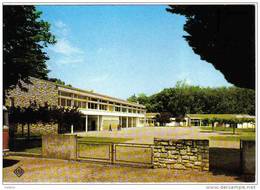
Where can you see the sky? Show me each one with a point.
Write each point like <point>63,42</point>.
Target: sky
<point>123,50</point>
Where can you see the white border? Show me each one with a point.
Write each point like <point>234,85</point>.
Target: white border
<point>117,186</point>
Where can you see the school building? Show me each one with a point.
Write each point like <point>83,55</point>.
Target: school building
<point>101,112</point>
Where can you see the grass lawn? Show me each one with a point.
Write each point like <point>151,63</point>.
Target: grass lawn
<point>240,134</point>
<point>36,150</point>
<point>209,128</point>
<point>233,138</point>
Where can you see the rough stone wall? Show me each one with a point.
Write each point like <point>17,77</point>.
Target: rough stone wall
<point>38,129</point>
<point>40,91</point>
<point>181,154</point>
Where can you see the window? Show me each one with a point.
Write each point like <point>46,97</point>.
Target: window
<point>92,105</point>
<point>65,94</point>
<point>130,110</point>
<point>68,102</point>
<point>94,99</point>
<point>81,97</point>
<point>117,109</point>
<point>123,109</point>
<point>103,107</point>
<point>63,102</point>
<point>104,101</point>
<point>83,105</point>
<point>76,103</point>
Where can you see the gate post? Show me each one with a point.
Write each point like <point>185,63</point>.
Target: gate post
<point>112,153</point>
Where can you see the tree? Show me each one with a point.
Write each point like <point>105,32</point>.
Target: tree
<point>133,99</point>
<point>64,117</point>
<point>186,99</point>
<point>223,35</point>
<point>24,38</point>
<point>58,81</point>
<point>163,118</point>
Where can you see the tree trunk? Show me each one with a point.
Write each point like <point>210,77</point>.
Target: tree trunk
<point>212,125</point>
<point>234,127</point>
<point>28,130</point>
<point>22,130</point>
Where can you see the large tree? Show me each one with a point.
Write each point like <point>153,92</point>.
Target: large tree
<point>25,36</point>
<point>184,99</point>
<point>223,35</point>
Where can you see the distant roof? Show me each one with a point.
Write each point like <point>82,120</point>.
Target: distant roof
<point>151,115</point>
<point>224,116</point>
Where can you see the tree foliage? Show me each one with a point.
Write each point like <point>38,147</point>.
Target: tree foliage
<point>58,81</point>
<point>65,117</point>
<point>223,35</point>
<point>24,38</point>
<point>163,118</point>
<point>186,99</point>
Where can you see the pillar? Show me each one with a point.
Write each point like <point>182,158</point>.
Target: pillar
<point>101,124</point>
<point>98,126</point>
<point>86,123</point>
<point>121,121</point>
<point>71,129</point>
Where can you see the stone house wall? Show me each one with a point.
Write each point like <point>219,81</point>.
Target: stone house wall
<point>181,154</point>
<point>40,92</point>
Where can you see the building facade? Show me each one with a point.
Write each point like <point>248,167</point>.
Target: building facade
<point>101,112</point>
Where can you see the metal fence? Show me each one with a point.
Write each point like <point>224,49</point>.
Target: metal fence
<point>140,155</point>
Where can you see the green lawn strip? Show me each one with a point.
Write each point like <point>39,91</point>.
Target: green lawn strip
<point>104,139</point>
<point>36,150</point>
<point>209,128</point>
<point>232,137</point>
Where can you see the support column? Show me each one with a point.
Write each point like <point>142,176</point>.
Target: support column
<point>71,129</point>
<point>101,124</point>
<point>98,129</point>
<point>86,123</point>
<point>126,122</point>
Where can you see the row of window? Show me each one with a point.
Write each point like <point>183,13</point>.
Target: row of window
<point>76,96</point>
<point>90,105</point>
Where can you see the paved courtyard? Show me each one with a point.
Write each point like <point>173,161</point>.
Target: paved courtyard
<point>146,135</point>
<point>51,170</point>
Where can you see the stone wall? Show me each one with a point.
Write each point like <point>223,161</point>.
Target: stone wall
<point>181,154</point>
<point>37,129</point>
<point>40,91</point>
<point>59,146</point>
<point>248,157</point>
